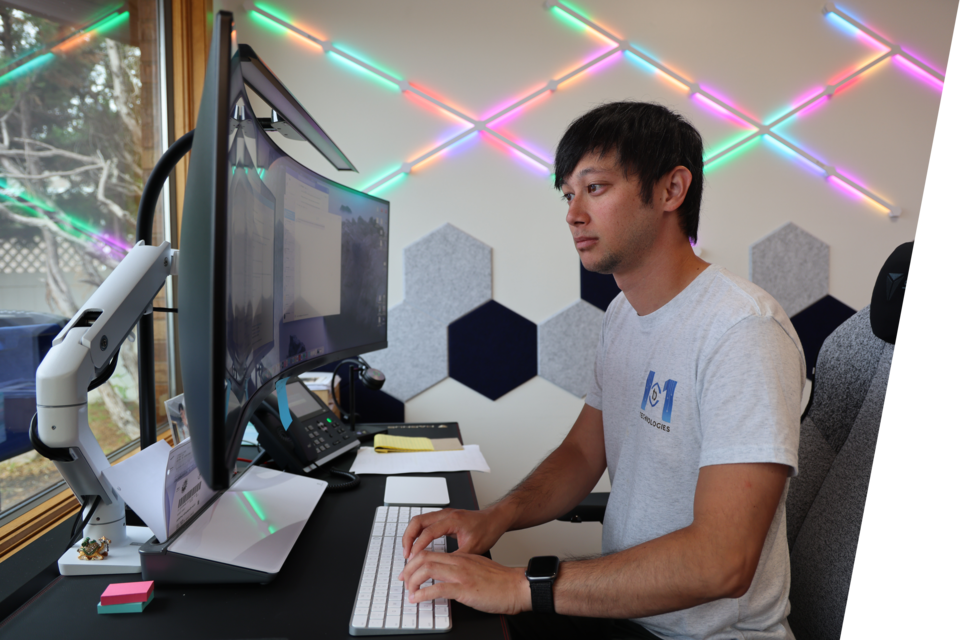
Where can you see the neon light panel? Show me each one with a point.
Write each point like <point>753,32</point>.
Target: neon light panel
<point>706,98</point>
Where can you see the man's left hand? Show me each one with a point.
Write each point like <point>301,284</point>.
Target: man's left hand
<point>475,581</point>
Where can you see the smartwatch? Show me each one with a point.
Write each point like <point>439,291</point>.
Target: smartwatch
<point>541,574</point>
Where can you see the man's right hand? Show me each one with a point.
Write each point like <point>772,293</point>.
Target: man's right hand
<point>475,531</point>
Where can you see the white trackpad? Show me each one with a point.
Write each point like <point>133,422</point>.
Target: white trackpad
<point>416,490</point>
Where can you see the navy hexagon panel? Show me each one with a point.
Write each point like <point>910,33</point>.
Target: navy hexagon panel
<point>493,350</point>
<point>599,289</point>
<point>815,324</point>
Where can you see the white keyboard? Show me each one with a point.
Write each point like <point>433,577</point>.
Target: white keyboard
<point>382,607</point>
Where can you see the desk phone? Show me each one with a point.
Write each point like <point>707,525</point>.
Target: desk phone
<point>315,435</point>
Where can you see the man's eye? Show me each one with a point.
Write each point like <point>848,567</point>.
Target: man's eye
<point>593,188</point>
<point>567,197</point>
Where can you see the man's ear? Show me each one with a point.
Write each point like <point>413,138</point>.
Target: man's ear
<point>675,185</point>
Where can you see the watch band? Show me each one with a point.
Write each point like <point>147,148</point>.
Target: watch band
<point>541,596</point>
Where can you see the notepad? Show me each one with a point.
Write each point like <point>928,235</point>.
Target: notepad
<point>383,443</point>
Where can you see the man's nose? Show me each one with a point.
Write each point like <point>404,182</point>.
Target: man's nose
<point>575,212</point>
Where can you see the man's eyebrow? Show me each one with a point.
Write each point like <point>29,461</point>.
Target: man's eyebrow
<point>587,171</point>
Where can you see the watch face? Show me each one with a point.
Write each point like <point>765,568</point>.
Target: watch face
<point>543,567</point>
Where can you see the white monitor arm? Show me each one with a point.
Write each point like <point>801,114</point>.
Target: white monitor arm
<point>84,353</point>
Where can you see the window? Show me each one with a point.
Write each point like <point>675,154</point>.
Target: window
<point>79,133</point>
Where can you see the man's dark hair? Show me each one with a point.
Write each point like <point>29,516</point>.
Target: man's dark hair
<point>649,140</point>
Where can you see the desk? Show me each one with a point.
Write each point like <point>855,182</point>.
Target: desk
<point>311,597</point>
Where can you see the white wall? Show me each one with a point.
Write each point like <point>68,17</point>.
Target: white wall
<point>763,56</point>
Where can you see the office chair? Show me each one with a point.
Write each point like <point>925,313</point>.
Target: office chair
<point>838,437</point>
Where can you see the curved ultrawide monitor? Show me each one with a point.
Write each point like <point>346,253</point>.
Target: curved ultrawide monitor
<point>280,270</point>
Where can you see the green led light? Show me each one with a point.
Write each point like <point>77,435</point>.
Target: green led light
<point>268,23</point>
<point>733,154</point>
<point>726,144</point>
<point>569,20</point>
<point>392,181</point>
<point>370,74</point>
<point>27,68</point>
<point>274,11</point>
<point>111,22</point>
<point>329,420</point>
<point>256,506</point>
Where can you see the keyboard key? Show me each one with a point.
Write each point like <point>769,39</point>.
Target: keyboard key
<point>392,622</point>
<point>426,622</point>
<point>441,622</point>
<point>360,621</point>
<point>409,622</point>
<point>441,610</point>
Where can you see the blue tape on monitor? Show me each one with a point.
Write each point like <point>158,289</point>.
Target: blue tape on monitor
<point>282,404</point>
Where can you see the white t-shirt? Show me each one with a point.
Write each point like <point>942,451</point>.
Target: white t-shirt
<point>715,376</point>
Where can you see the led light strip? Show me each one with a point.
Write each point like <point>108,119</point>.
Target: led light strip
<point>620,45</point>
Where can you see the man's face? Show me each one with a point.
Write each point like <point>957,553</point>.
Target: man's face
<point>612,228</point>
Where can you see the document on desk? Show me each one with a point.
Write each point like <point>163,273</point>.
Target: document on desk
<point>162,485</point>
<point>370,462</point>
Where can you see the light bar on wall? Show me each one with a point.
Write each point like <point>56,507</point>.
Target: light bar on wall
<point>705,97</point>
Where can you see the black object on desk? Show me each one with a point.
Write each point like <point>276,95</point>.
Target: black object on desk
<point>410,429</point>
<point>311,597</point>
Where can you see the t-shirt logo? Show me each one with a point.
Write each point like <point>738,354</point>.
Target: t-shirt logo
<point>653,393</point>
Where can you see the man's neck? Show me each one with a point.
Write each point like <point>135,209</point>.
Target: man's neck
<point>664,273</point>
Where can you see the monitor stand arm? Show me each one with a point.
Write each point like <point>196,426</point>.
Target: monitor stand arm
<point>82,357</point>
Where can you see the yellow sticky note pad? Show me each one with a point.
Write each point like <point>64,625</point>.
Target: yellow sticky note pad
<point>383,443</point>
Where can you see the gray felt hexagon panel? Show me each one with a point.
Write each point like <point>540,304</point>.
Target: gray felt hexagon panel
<point>567,345</point>
<point>447,273</point>
<point>417,356</point>
<point>792,266</point>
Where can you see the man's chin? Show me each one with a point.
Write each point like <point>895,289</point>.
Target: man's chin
<point>605,267</point>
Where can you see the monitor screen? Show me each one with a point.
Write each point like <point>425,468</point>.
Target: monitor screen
<point>308,262</point>
<point>281,270</point>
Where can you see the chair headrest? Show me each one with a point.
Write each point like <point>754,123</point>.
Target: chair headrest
<point>887,301</point>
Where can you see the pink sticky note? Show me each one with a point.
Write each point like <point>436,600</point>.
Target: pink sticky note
<point>127,592</point>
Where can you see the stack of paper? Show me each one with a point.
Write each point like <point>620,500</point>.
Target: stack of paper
<point>469,459</point>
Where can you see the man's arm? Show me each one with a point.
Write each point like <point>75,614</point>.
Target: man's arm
<point>557,485</point>
<point>714,557</point>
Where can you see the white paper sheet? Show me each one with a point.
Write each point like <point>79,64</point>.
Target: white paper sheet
<point>139,481</point>
<point>184,491</point>
<point>470,459</point>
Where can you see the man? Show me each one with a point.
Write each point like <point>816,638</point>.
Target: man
<point>694,409</point>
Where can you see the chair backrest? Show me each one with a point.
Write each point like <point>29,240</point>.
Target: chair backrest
<point>838,437</point>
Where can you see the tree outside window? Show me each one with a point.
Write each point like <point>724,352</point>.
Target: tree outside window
<point>77,139</point>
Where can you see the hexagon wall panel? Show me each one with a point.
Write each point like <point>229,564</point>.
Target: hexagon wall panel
<point>815,324</point>
<point>493,350</point>
<point>447,273</point>
<point>791,265</point>
<point>567,346</point>
<point>599,289</point>
<point>417,356</point>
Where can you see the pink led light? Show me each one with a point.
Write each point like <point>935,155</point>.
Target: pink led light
<point>716,108</point>
<point>917,72</point>
<point>921,60</point>
<point>725,99</point>
<point>813,106</point>
<point>848,189</point>
<point>514,112</point>
<point>514,152</point>
<point>808,96</point>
